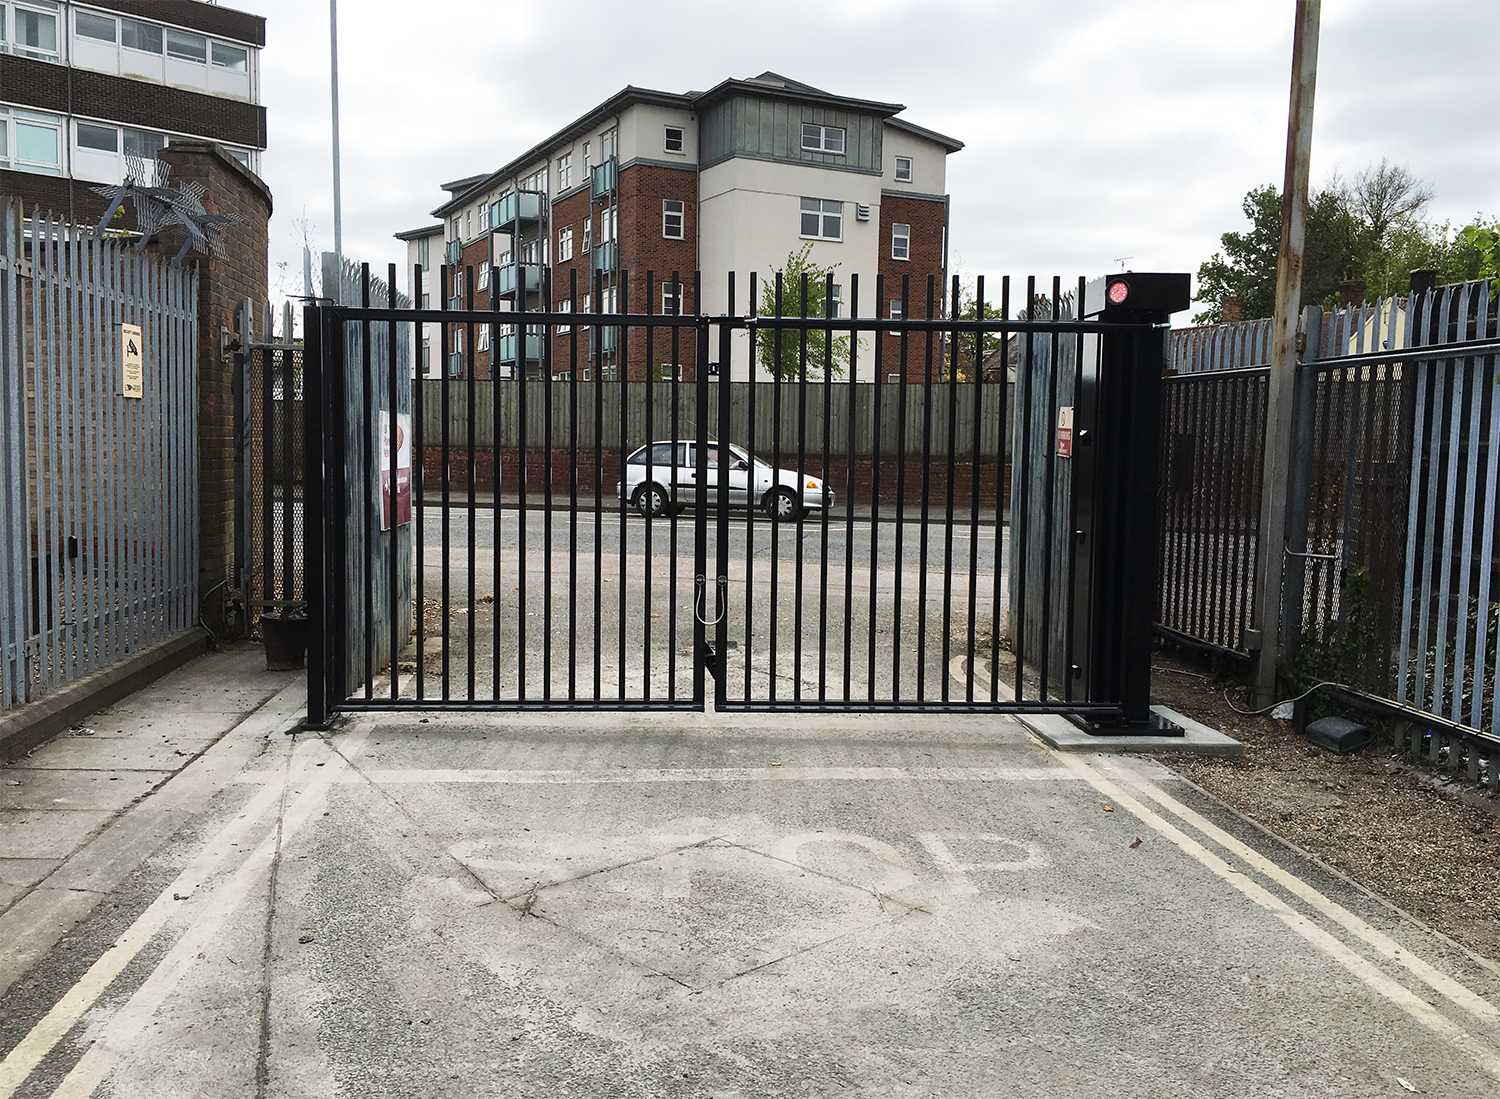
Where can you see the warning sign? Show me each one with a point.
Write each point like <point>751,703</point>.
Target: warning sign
<point>395,489</point>
<point>1065,431</point>
<point>132,372</point>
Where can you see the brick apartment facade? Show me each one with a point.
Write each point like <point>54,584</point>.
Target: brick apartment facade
<point>651,183</point>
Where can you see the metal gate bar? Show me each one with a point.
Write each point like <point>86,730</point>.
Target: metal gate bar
<point>1054,645</point>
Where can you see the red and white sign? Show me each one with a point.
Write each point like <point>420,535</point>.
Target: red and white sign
<point>403,469</point>
<point>1065,431</point>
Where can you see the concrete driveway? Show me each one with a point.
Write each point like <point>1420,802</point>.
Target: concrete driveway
<point>706,906</point>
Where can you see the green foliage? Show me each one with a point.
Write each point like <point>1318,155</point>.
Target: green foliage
<point>1329,653</point>
<point>963,348</point>
<point>1369,229</point>
<point>781,353</point>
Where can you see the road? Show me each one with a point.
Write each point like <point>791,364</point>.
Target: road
<point>786,616</point>
<point>696,905</point>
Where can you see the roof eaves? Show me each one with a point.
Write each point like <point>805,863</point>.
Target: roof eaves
<point>627,96</point>
<point>417,234</point>
<point>952,144</point>
<point>750,87</point>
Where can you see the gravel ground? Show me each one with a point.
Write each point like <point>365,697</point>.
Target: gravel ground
<point>1395,828</point>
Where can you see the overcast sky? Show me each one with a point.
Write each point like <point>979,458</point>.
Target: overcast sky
<point>1094,130</point>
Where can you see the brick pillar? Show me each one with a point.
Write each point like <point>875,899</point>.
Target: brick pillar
<point>229,188</point>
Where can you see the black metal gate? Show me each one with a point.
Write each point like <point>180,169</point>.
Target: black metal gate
<point>581,509</point>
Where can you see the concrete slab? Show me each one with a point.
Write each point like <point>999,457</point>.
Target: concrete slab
<point>1198,740</point>
<point>19,875</point>
<point>150,752</point>
<point>46,834</point>
<point>45,788</point>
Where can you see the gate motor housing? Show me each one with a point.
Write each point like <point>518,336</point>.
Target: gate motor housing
<point>1117,428</point>
<point>1149,296</point>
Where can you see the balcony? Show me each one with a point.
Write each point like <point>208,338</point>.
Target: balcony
<point>515,211</point>
<point>606,255</point>
<point>528,274</point>
<point>604,341</point>
<point>606,177</point>
<point>453,252</point>
<point>508,348</point>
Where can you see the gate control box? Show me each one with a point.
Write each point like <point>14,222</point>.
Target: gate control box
<point>1138,296</point>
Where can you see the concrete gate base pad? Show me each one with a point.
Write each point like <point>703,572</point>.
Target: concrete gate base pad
<point>1198,739</point>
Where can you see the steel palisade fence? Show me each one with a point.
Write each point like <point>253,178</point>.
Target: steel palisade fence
<point>1390,584</point>
<point>860,606</point>
<point>98,491</point>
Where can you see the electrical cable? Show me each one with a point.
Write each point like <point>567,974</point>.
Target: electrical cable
<point>1272,706</point>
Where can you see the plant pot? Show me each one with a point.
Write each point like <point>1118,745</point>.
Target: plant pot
<point>285,639</point>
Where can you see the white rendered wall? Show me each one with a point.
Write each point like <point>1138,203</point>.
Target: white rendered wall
<point>750,215</point>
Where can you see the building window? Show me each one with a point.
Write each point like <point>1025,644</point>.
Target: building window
<point>423,252</point>
<point>483,282</point>
<point>822,219</point>
<point>903,169</point>
<point>608,218</point>
<point>588,233</point>
<point>564,172</point>
<point>37,144</point>
<point>586,158</point>
<point>565,244</point>
<point>563,307</point>
<point>140,36</point>
<point>35,34</point>
<point>672,218</point>
<point>836,302</point>
<point>671,299</point>
<point>607,142</point>
<point>823,139</point>
<point>482,338</point>
<point>896,313</point>
<point>143,143</point>
<point>104,138</point>
<point>673,141</point>
<point>230,57</point>
<point>242,155</point>
<point>187,47</point>
<point>89,25</point>
<point>900,241</point>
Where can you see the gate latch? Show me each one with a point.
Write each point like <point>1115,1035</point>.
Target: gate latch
<point>721,600</point>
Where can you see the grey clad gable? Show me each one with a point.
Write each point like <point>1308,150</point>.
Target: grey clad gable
<point>771,129</point>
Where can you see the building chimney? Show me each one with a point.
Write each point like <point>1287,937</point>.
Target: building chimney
<point>1233,308</point>
<point>1351,293</point>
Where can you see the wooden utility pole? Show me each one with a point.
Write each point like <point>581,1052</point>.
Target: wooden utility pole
<point>1282,397</point>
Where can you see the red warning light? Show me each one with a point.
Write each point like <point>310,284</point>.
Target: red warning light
<point>1119,291</point>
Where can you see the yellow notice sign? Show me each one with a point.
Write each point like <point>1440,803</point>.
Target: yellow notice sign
<point>131,371</point>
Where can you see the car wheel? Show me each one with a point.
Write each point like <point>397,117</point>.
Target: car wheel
<point>783,504</point>
<point>652,500</point>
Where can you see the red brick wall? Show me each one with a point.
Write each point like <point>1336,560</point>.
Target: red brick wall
<point>643,249</point>
<point>228,189</point>
<point>925,216</point>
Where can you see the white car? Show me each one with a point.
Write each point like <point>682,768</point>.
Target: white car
<point>669,482</point>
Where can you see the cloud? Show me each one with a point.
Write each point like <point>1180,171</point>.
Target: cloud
<point>1094,130</point>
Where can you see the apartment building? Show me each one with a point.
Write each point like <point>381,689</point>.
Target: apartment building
<point>82,85</point>
<point>732,179</point>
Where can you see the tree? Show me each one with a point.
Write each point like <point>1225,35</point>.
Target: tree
<point>1247,267</point>
<point>963,348</point>
<point>781,351</point>
<point>1370,230</point>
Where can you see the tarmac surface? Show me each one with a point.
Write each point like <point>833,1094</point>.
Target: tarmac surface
<point>685,905</point>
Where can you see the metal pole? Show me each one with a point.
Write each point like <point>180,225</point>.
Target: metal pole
<point>338,205</point>
<point>1280,405</point>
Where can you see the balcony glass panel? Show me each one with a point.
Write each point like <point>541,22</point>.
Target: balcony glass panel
<point>516,206</point>
<point>606,255</point>
<point>508,348</point>
<point>606,177</point>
